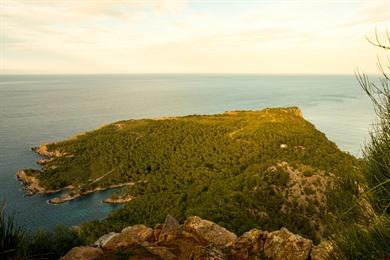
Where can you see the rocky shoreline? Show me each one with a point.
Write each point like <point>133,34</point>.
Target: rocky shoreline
<point>43,151</point>
<point>70,197</point>
<point>200,239</point>
<point>119,199</point>
<point>32,185</point>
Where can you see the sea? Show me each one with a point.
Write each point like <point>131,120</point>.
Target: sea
<point>36,109</point>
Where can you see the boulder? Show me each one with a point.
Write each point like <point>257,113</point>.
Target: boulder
<point>208,232</point>
<point>102,241</point>
<point>162,252</point>
<point>283,244</point>
<point>170,230</point>
<point>200,239</point>
<point>249,244</point>
<point>207,253</point>
<point>322,251</point>
<point>157,231</point>
<point>84,253</point>
<point>129,236</point>
<point>139,232</point>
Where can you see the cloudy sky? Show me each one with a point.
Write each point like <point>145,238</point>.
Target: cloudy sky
<point>184,36</point>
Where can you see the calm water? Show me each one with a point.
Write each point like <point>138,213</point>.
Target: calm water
<point>39,109</point>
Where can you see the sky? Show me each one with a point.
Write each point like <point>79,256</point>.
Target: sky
<point>184,36</point>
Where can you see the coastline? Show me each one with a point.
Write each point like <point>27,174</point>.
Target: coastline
<point>32,186</point>
<point>69,197</point>
<point>119,199</point>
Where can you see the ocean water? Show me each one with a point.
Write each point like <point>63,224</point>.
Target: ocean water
<point>46,108</point>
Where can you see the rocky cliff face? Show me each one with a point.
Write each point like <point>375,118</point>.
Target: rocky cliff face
<point>199,239</point>
<point>32,184</point>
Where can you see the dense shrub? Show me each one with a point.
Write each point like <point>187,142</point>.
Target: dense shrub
<point>16,243</point>
<point>12,236</point>
<point>369,238</point>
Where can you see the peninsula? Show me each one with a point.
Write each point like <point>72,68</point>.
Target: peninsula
<point>237,168</point>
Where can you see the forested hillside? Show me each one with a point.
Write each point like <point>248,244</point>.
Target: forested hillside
<point>243,169</point>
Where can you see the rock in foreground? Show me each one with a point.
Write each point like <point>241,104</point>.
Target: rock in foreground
<point>197,239</point>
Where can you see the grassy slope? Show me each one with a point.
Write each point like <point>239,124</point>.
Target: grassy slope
<point>217,167</point>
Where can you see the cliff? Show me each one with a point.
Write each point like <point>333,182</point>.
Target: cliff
<point>199,239</point>
<point>31,182</point>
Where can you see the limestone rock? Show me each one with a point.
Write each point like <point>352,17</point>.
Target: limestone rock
<point>139,232</point>
<point>170,230</point>
<point>249,244</point>
<point>322,251</point>
<point>157,231</point>
<point>162,252</point>
<point>199,239</point>
<point>207,253</point>
<point>208,232</point>
<point>31,183</point>
<point>129,236</point>
<point>102,241</point>
<point>283,244</point>
<point>84,253</point>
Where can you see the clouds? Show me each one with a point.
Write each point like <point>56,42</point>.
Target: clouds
<point>187,36</point>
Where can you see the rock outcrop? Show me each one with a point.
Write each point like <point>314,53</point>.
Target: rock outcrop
<point>208,232</point>
<point>43,151</point>
<point>283,244</point>
<point>84,253</point>
<point>322,251</point>
<point>31,183</point>
<point>128,237</point>
<point>76,193</point>
<point>199,239</point>
<point>119,199</point>
<point>249,244</point>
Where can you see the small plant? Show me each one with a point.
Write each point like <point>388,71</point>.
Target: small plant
<point>11,235</point>
<point>53,245</point>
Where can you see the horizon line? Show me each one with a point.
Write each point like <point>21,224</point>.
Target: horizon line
<point>190,73</point>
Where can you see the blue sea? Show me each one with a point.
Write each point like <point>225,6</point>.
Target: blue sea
<point>46,108</point>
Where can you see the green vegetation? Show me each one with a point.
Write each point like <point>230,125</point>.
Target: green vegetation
<point>51,245</point>
<point>11,235</point>
<point>16,243</point>
<point>246,169</point>
<point>230,168</point>
<point>186,147</point>
<point>369,238</point>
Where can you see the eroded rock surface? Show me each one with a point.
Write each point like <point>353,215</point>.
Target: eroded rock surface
<point>199,239</point>
<point>249,245</point>
<point>170,230</point>
<point>322,251</point>
<point>208,232</point>
<point>84,253</point>
<point>283,244</point>
<point>128,237</point>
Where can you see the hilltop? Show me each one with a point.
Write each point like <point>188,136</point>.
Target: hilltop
<point>244,169</point>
